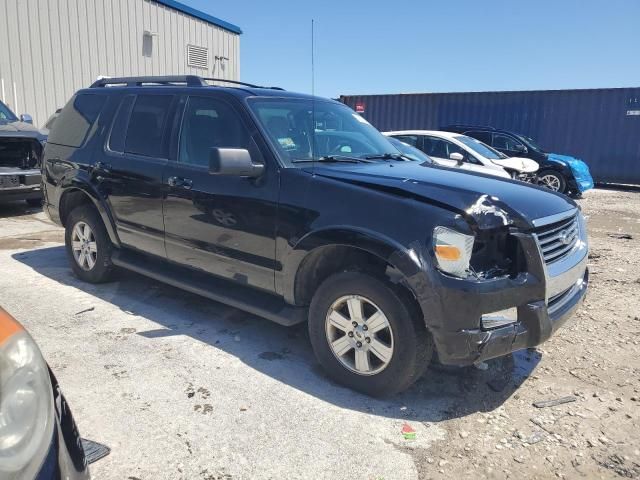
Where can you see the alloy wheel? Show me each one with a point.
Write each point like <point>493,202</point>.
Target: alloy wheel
<point>84,246</point>
<point>550,181</point>
<point>359,335</point>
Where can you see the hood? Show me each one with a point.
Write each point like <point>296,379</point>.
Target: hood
<point>20,129</point>
<point>523,165</point>
<point>483,200</point>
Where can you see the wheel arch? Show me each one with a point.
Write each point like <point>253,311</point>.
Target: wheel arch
<point>77,194</point>
<point>320,254</point>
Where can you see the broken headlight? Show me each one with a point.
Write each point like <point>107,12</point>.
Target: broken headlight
<point>496,253</point>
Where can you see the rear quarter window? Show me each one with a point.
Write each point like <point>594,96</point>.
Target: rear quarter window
<point>76,119</point>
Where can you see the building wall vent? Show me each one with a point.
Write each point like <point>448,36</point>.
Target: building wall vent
<point>197,57</point>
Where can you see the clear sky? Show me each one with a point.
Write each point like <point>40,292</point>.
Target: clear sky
<point>426,46</point>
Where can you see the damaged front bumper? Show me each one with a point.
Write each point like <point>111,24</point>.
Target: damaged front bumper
<point>545,296</point>
<point>537,321</point>
<point>20,184</point>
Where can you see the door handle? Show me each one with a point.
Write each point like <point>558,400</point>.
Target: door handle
<point>180,182</point>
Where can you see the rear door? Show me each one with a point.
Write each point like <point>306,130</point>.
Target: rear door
<point>133,166</point>
<point>224,225</point>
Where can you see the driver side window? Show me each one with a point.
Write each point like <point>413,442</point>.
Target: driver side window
<point>207,123</point>
<point>503,142</point>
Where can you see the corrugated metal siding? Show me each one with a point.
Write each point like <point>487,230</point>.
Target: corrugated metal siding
<point>589,124</point>
<point>51,48</point>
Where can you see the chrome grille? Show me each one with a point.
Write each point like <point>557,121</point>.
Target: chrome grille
<point>558,239</point>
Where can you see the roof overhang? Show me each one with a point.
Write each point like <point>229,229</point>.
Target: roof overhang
<point>205,17</point>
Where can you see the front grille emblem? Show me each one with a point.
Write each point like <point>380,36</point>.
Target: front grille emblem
<point>564,237</point>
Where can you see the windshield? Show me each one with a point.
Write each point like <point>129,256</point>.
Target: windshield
<point>530,143</point>
<point>477,146</point>
<point>6,114</point>
<point>334,131</point>
<point>408,151</point>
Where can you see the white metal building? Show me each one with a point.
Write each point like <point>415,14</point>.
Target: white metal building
<point>51,48</point>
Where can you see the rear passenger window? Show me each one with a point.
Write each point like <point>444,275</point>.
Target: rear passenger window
<point>120,122</point>
<point>76,119</point>
<point>208,123</point>
<point>146,126</point>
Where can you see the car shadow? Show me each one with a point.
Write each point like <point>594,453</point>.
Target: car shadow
<point>17,209</point>
<point>285,353</point>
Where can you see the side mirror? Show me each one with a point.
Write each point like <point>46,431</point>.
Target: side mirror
<point>458,157</point>
<point>26,118</point>
<point>234,162</point>
<point>520,148</point>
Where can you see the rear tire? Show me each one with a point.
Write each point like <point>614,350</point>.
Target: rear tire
<point>88,245</point>
<point>396,347</point>
<point>553,181</point>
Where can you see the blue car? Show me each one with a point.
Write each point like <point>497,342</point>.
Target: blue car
<point>560,173</point>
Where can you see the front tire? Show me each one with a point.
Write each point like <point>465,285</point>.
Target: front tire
<point>366,335</point>
<point>553,181</point>
<point>88,245</point>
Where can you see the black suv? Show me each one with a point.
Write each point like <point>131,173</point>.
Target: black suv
<point>294,207</point>
<point>560,173</point>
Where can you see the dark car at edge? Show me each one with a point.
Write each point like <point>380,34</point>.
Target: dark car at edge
<point>295,208</point>
<point>560,173</point>
<point>21,146</point>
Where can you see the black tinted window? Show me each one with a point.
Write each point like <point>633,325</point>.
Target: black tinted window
<point>146,125</point>
<point>208,123</point>
<point>504,142</point>
<point>120,122</point>
<point>76,119</point>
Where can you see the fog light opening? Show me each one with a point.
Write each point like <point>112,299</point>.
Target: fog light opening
<point>499,319</point>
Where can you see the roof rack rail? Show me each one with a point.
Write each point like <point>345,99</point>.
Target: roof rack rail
<point>236,82</point>
<point>188,80</point>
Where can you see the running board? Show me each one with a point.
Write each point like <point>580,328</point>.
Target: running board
<point>241,297</point>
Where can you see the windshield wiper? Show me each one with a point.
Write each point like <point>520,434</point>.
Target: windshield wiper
<point>388,156</point>
<point>333,159</point>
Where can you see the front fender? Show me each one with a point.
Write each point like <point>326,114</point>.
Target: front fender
<point>406,261</point>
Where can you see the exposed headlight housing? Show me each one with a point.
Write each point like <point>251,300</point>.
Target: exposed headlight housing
<point>452,251</point>
<point>26,403</point>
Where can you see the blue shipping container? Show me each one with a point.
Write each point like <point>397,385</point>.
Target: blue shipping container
<point>599,126</point>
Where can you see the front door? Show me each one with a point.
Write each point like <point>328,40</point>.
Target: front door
<point>224,225</point>
<point>508,145</point>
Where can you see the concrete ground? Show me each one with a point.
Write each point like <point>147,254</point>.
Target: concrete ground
<point>184,388</point>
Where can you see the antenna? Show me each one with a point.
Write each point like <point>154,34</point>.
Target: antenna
<point>313,101</point>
